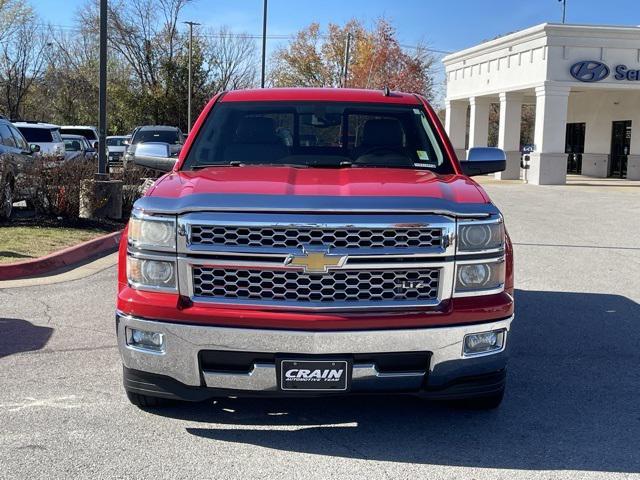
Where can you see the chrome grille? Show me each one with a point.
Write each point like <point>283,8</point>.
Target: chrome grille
<point>296,287</point>
<point>302,236</point>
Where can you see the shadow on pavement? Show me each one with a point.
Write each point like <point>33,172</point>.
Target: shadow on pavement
<point>10,254</point>
<point>571,403</point>
<point>21,336</point>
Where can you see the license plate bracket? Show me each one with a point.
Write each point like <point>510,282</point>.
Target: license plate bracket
<point>311,375</point>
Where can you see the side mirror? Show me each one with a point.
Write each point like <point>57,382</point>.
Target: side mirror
<point>156,156</point>
<point>483,160</point>
<point>34,148</point>
<point>96,145</point>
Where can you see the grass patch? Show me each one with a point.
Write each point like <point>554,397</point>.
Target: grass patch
<point>21,243</point>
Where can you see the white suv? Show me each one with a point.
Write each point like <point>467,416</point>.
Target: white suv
<point>46,136</point>
<point>90,133</point>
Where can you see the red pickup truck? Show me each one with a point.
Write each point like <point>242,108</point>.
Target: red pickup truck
<point>315,242</point>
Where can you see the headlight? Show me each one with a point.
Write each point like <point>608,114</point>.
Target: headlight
<point>479,278</point>
<point>479,236</point>
<point>152,232</point>
<point>155,274</point>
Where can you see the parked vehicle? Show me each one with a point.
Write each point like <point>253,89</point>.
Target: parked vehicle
<point>78,147</point>
<point>90,133</point>
<point>368,261</point>
<point>46,136</point>
<point>116,146</point>
<point>15,156</point>
<point>155,133</point>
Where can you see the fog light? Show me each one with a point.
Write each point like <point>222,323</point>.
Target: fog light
<point>153,341</point>
<point>484,342</point>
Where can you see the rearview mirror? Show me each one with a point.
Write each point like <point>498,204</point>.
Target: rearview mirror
<point>484,160</point>
<point>156,156</point>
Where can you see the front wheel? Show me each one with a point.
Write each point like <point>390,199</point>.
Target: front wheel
<point>145,401</point>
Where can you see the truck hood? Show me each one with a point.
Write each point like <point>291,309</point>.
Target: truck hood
<point>314,189</point>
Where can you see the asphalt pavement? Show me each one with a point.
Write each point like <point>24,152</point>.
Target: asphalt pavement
<point>571,409</point>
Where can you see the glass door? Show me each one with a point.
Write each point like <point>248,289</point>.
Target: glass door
<point>620,145</point>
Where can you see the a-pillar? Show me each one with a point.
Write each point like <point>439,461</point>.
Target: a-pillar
<point>456,125</point>
<point>548,161</point>
<point>479,121</point>
<point>509,133</point>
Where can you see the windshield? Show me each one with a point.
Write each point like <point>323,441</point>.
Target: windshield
<point>72,145</point>
<point>318,134</point>
<point>163,136</point>
<point>116,142</point>
<point>88,133</point>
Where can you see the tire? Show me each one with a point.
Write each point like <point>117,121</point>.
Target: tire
<point>147,402</point>
<point>485,402</point>
<point>6,200</point>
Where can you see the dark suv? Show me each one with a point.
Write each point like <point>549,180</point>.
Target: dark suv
<point>155,134</point>
<point>15,156</point>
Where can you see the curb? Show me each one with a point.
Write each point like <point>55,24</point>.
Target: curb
<point>63,258</point>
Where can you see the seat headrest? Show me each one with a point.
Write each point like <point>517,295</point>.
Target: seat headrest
<point>382,132</point>
<point>256,130</point>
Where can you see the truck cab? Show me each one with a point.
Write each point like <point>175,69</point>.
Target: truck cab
<point>315,242</point>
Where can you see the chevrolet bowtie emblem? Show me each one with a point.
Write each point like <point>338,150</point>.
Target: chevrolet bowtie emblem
<point>316,262</point>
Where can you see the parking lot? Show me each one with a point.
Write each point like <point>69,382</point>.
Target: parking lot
<point>571,409</point>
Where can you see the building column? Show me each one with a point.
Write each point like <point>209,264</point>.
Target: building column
<point>548,161</point>
<point>633,159</point>
<point>456,125</point>
<point>479,121</point>
<point>509,133</point>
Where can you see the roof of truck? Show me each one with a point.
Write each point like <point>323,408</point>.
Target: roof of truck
<point>320,94</point>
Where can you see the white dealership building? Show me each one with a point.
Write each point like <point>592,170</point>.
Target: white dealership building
<point>585,84</point>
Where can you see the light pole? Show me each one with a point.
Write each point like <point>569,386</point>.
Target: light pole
<point>564,10</point>
<point>191,24</point>
<point>102,102</point>
<point>264,42</point>
<point>345,68</point>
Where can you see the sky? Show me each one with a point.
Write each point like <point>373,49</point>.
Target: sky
<point>443,25</point>
<point>447,25</point>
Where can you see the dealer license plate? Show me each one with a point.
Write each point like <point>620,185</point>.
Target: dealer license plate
<point>314,375</point>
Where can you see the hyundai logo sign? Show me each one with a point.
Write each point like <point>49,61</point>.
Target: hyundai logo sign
<point>589,71</point>
<point>594,71</point>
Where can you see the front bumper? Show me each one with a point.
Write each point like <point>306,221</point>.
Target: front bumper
<point>178,373</point>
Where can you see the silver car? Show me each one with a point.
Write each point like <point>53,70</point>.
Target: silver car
<point>78,147</point>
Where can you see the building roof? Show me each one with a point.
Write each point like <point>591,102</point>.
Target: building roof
<point>547,29</point>
<point>319,94</point>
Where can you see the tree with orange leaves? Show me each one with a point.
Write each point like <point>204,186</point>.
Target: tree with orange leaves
<point>314,59</point>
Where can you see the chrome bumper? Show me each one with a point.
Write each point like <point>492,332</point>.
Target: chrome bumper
<point>183,343</point>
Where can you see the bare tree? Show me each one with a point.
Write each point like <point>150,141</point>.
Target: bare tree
<point>13,14</point>
<point>232,59</point>
<point>22,60</point>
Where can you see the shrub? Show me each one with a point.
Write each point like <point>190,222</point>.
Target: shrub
<point>54,188</point>
<point>135,181</point>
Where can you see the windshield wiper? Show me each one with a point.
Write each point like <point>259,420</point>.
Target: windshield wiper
<point>207,165</point>
<point>236,163</point>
